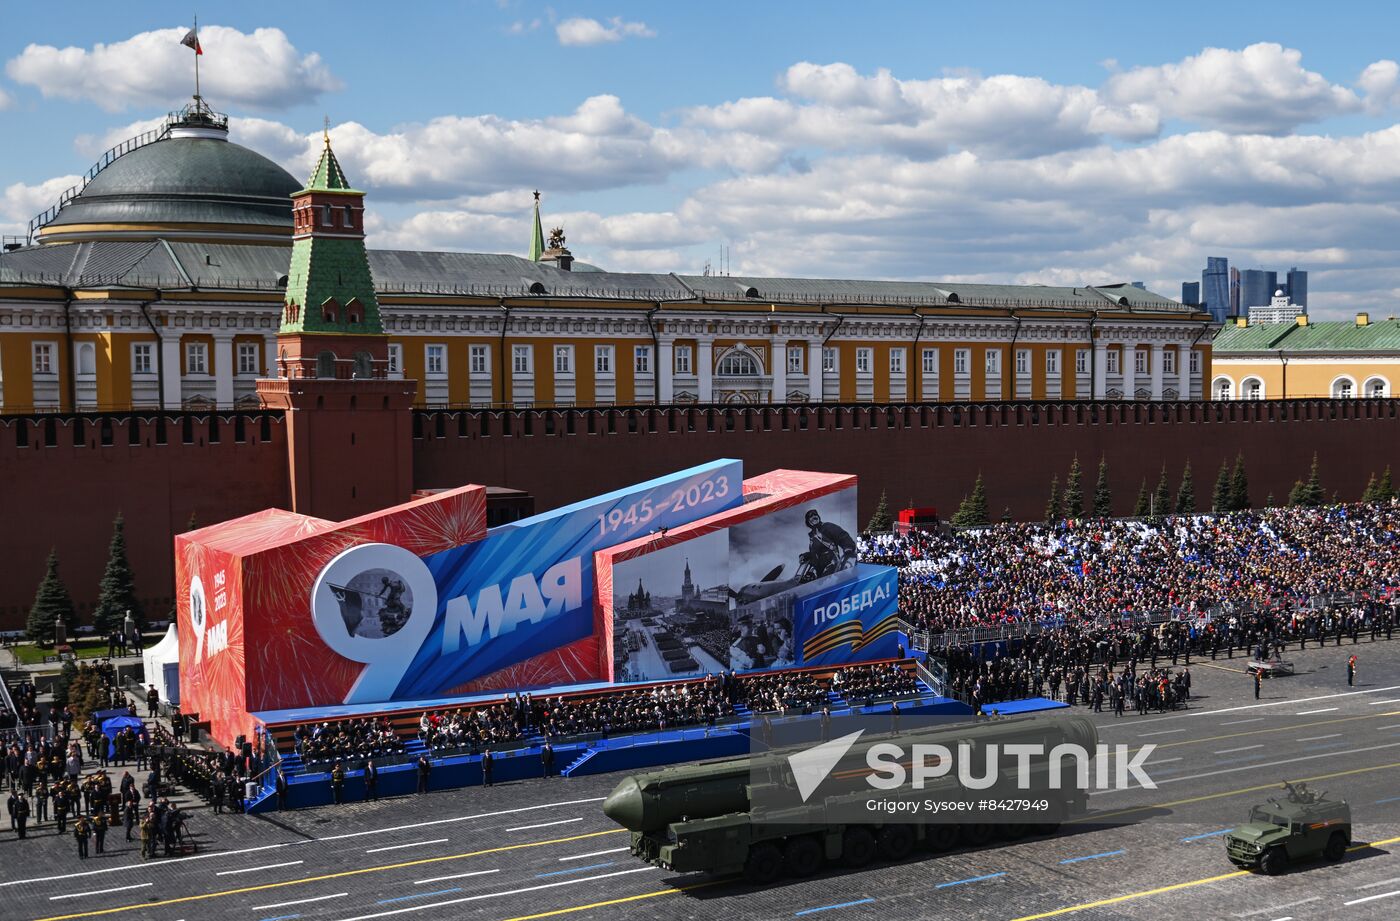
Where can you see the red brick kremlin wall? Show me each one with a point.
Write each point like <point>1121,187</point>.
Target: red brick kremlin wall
<point>56,494</point>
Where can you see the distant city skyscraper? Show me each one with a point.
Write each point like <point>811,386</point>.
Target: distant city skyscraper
<point>1257,287</point>
<point>1215,288</point>
<point>1235,310</point>
<point>1191,292</point>
<point>1298,287</point>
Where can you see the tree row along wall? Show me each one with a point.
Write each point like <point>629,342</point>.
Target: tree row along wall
<point>63,479</point>
<point>921,454</point>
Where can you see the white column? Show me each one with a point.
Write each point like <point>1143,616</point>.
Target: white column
<point>778,348</point>
<point>1100,370</point>
<point>665,365</point>
<point>269,357</point>
<point>1128,362</point>
<point>1157,352</point>
<point>815,380</point>
<point>223,369</point>
<point>172,363</point>
<point>705,369</point>
<point>1183,373</point>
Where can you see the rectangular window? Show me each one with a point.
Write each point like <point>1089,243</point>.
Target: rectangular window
<point>479,359</point>
<point>1023,361</point>
<point>794,359</point>
<point>993,361</point>
<point>196,358</point>
<point>960,358</point>
<point>863,360</point>
<point>43,358</point>
<point>930,361</point>
<point>1081,361</point>
<point>1112,358</point>
<point>896,361</point>
<point>1140,361</point>
<point>1195,362</point>
<point>563,359</point>
<point>641,359</point>
<point>1169,361</point>
<point>603,359</point>
<point>437,359</point>
<point>682,359</point>
<point>522,359</point>
<point>828,361</point>
<point>247,358</point>
<point>395,358</point>
<point>1052,361</point>
<point>143,358</point>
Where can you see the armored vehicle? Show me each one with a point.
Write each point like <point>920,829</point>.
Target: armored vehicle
<point>1280,832</point>
<point>745,814</point>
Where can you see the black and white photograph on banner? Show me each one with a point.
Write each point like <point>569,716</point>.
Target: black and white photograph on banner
<point>671,611</point>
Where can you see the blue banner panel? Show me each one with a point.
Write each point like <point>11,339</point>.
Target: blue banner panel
<point>856,621</point>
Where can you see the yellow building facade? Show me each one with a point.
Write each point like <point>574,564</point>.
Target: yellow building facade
<point>1304,358</point>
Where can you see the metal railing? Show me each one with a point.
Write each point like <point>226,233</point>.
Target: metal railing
<point>106,160</point>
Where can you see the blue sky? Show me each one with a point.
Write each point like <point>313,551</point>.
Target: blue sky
<point>1084,142</point>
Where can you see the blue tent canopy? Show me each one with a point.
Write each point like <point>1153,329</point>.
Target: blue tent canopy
<point>113,725</point>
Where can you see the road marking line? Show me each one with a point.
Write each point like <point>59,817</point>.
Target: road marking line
<point>438,879</point>
<point>1164,732</point>
<point>460,818</point>
<point>1285,918</point>
<point>812,911</point>
<point>672,890</point>
<point>970,879</point>
<point>419,895</point>
<point>545,824</point>
<point>166,861</point>
<point>1372,898</point>
<point>1388,799</point>
<point>1263,732</point>
<point>1384,882</point>
<point>399,847</point>
<point>359,871</point>
<point>1335,735</point>
<point>1311,712</point>
<point>1162,761</point>
<point>78,895</point>
<point>1382,728</point>
<point>611,850</point>
<point>1257,719</point>
<point>1272,703</point>
<point>1377,703</point>
<point>495,895</point>
<point>319,898</point>
<point>593,866</point>
<point>1251,767</point>
<point>1273,908</point>
<point>1231,751</point>
<point>1209,834</point>
<point>1093,856</point>
<point>282,918</point>
<point>271,866</point>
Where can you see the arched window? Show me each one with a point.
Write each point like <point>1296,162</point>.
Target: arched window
<point>1377,388</point>
<point>326,215</point>
<point>1252,389</point>
<point>364,366</point>
<point>87,359</point>
<point>1343,388</point>
<point>738,363</point>
<point>349,218</point>
<point>1223,388</point>
<point>325,365</point>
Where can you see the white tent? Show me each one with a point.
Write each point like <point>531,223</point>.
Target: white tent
<point>156,659</point>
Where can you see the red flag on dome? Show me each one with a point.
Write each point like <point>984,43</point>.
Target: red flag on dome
<point>191,40</point>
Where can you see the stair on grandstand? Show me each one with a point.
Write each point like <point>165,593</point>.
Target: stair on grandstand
<point>578,762</point>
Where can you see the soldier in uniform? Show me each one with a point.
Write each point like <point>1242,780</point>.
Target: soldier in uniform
<point>371,781</point>
<point>60,809</point>
<point>547,758</point>
<point>22,814</point>
<point>148,831</point>
<point>338,783</point>
<point>129,817</point>
<point>1351,670</point>
<point>99,826</point>
<point>216,792</point>
<point>424,769</point>
<point>1258,680</point>
<point>485,768</point>
<point>81,833</point>
<point>281,784</point>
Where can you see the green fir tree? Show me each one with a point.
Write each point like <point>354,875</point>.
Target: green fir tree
<point>1220,498</point>
<point>1316,496</point>
<point>1052,508</point>
<point>1143,507</point>
<point>880,520</point>
<point>1103,497</point>
<point>1162,496</point>
<point>1186,494</point>
<point>1372,486</point>
<point>1239,486</point>
<point>50,601</point>
<point>1269,501</point>
<point>1385,489</point>
<point>117,593</point>
<point>973,511</point>
<point>1073,505</point>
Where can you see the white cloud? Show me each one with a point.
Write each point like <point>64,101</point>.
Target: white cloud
<point>260,69</point>
<point>1262,88</point>
<point>582,31</point>
<point>5,99</point>
<point>521,26</point>
<point>1380,82</point>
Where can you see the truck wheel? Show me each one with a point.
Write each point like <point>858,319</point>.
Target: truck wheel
<point>1013,831</point>
<point>857,847</point>
<point>802,856</point>
<point>976,834</point>
<point>1336,847</point>
<point>940,837</point>
<point>1274,861</point>
<point>764,864</point>
<point>896,841</point>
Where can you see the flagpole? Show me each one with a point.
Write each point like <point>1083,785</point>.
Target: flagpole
<point>196,59</point>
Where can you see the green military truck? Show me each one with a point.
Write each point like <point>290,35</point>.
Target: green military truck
<point>1303,826</point>
<point>718,817</point>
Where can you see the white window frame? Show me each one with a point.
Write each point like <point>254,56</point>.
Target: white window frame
<point>247,356</point>
<point>1169,361</point>
<point>196,358</point>
<point>831,361</point>
<point>795,357</point>
<point>522,359</point>
<point>897,361</point>
<point>564,360</point>
<point>1081,361</point>
<point>435,359</point>
<point>1195,362</point>
<point>992,361</point>
<point>864,358</point>
<point>641,359</point>
<point>1023,361</point>
<point>961,357</point>
<point>395,358</point>
<point>1052,361</point>
<point>603,360</point>
<point>1140,365</point>
<point>1111,361</point>
<point>930,361</point>
<point>479,358</point>
<point>682,360</point>
<point>140,351</point>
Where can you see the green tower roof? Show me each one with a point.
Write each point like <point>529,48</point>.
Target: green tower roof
<point>537,240</point>
<point>328,176</point>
